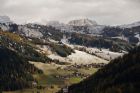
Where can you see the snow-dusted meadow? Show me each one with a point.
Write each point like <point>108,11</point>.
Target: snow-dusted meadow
<point>79,57</point>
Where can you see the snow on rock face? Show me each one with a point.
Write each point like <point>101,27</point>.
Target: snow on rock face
<point>30,32</point>
<point>5,19</point>
<point>4,27</point>
<point>79,57</point>
<point>92,26</point>
<point>4,22</point>
<point>138,36</point>
<point>82,22</point>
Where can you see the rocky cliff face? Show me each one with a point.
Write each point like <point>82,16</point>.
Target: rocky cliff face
<point>83,22</point>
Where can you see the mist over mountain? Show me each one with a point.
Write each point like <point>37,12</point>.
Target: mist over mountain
<point>5,19</point>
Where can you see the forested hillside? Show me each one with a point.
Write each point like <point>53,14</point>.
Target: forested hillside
<point>21,46</point>
<point>100,42</point>
<point>15,71</point>
<point>122,75</point>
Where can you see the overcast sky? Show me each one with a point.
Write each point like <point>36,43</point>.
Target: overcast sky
<point>109,12</point>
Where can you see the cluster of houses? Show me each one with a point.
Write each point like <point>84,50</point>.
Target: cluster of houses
<point>76,73</point>
<point>92,65</point>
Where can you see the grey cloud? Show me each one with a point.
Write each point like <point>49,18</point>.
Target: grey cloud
<point>103,11</point>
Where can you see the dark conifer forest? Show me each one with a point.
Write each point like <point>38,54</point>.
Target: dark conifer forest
<point>15,71</point>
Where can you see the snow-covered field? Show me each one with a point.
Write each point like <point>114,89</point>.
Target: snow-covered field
<point>79,57</point>
<point>105,53</point>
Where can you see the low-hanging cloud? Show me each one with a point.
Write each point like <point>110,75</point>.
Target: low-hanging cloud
<point>109,12</point>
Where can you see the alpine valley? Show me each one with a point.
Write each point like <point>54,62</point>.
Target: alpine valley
<point>80,56</point>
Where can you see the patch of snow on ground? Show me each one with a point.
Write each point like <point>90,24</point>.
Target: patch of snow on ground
<point>138,36</point>
<point>105,53</point>
<point>30,32</point>
<point>79,57</point>
<point>121,37</point>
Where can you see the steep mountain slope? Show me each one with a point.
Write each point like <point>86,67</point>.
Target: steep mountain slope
<point>15,71</point>
<point>21,46</point>
<point>85,26</point>
<point>127,34</point>
<point>100,42</point>
<point>31,48</point>
<point>122,75</point>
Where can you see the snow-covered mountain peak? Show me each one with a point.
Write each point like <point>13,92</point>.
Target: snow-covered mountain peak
<point>82,22</point>
<point>5,19</point>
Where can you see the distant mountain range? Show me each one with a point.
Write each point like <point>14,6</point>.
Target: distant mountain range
<point>77,22</point>
<point>129,33</point>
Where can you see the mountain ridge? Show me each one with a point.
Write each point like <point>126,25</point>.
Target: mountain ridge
<point>82,22</point>
<point>83,26</point>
